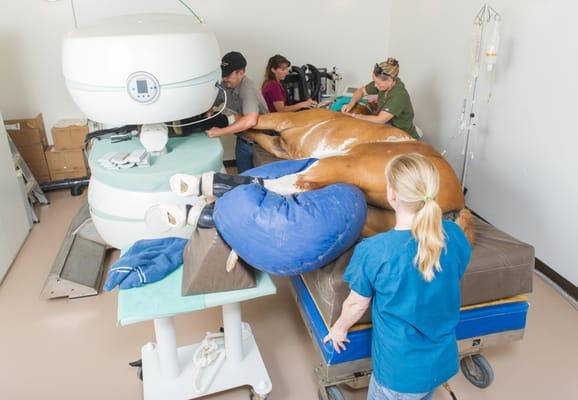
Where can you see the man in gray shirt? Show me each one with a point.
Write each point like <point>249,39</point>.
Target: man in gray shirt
<point>243,98</point>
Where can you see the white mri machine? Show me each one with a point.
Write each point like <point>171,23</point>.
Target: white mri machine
<point>148,70</point>
<point>143,70</point>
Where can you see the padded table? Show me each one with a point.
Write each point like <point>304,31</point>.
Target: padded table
<point>485,319</point>
<point>168,371</point>
<point>494,307</point>
<point>500,267</point>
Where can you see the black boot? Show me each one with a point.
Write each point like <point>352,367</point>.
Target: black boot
<point>222,183</point>
<point>205,219</point>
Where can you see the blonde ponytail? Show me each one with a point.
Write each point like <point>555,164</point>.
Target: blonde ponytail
<point>427,229</point>
<point>416,181</point>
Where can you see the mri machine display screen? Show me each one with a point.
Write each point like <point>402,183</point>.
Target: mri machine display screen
<point>141,86</point>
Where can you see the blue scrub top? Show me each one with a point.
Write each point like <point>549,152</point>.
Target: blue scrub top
<point>414,346</point>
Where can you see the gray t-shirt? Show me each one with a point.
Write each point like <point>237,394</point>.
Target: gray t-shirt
<point>244,99</point>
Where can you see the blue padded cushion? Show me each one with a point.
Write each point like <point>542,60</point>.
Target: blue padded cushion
<point>290,235</point>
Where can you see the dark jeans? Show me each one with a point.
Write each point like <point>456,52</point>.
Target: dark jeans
<point>244,155</point>
<point>378,392</point>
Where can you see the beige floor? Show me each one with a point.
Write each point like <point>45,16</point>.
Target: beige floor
<point>72,349</point>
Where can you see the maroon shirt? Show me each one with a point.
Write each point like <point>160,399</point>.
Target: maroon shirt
<point>273,91</point>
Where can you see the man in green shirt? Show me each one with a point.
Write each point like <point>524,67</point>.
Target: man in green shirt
<point>393,102</point>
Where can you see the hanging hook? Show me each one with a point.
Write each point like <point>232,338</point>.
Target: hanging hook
<point>74,14</point>
<point>200,19</point>
<point>486,14</point>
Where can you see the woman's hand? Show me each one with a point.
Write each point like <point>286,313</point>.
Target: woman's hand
<point>338,337</point>
<point>346,108</point>
<point>309,103</point>
<point>353,309</point>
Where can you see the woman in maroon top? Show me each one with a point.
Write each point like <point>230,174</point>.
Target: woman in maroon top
<point>273,92</point>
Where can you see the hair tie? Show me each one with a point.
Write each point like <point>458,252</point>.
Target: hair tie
<point>427,197</point>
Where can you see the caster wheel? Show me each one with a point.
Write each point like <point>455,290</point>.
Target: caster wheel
<point>333,393</point>
<point>255,396</point>
<point>477,370</point>
<point>138,365</point>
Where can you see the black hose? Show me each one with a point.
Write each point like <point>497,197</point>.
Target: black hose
<point>314,82</point>
<point>75,185</point>
<point>103,132</point>
<point>450,391</point>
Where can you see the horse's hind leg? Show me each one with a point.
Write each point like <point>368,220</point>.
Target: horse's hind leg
<point>326,171</point>
<point>309,179</point>
<point>271,144</point>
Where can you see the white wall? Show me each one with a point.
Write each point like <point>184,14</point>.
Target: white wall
<point>30,69</point>
<point>343,33</point>
<point>524,178</point>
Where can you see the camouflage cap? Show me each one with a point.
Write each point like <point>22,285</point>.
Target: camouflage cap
<point>390,67</point>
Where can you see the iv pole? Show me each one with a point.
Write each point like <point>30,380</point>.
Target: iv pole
<point>486,15</point>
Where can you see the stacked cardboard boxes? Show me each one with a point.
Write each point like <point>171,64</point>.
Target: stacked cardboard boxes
<point>66,158</point>
<point>29,137</point>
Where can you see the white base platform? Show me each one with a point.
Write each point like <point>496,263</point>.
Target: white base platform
<point>168,371</point>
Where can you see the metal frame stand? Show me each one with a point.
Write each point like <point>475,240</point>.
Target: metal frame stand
<point>356,374</point>
<point>78,267</point>
<point>168,371</point>
<point>31,187</point>
<point>485,15</point>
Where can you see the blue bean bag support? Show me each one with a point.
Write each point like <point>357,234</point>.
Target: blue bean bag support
<point>290,235</point>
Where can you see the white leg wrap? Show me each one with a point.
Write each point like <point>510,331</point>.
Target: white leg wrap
<point>285,185</point>
<point>195,211</point>
<point>207,184</point>
<point>174,216</point>
<point>194,214</point>
<point>232,260</point>
<point>185,185</point>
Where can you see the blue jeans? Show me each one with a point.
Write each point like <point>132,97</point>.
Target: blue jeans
<point>378,392</point>
<point>244,155</point>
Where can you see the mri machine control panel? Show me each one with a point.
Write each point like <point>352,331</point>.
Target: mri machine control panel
<point>143,87</point>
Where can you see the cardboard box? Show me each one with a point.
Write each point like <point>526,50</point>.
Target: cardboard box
<point>59,176</point>
<point>66,164</point>
<point>35,159</point>
<point>27,132</point>
<point>69,134</point>
<point>29,136</point>
<point>44,178</point>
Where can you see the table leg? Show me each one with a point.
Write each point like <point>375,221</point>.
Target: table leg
<point>233,333</point>
<point>167,347</point>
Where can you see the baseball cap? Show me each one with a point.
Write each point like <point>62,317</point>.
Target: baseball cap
<point>231,62</point>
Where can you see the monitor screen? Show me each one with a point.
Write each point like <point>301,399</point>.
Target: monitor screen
<point>141,86</point>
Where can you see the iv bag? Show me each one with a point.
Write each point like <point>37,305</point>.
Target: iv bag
<point>493,44</point>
